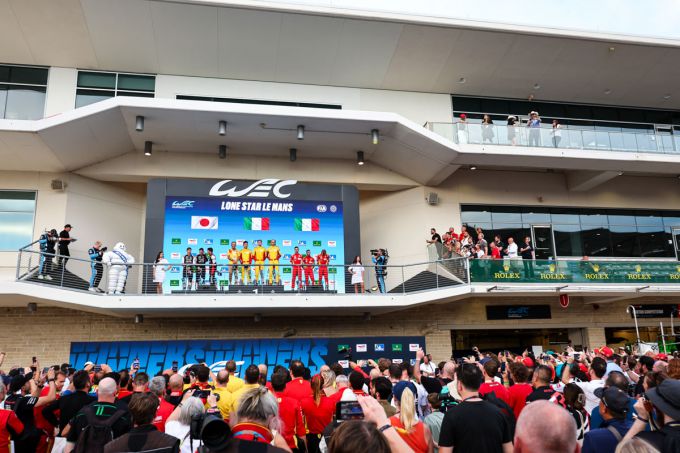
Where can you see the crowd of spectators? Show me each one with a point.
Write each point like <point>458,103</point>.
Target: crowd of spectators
<point>471,243</point>
<point>590,401</point>
<point>533,124</point>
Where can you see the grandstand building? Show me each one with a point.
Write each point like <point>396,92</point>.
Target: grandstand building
<point>349,128</point>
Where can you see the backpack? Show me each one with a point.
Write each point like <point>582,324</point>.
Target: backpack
<point>97,433</point>
<point>505,409</point>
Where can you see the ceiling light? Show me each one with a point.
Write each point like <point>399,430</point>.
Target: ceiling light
<point>667,96</point>
<point>139,123</point>
<point>360,158</point>
<point>375,136</point>
<point>620,173</point>
<point>301,132</point>
<point>473,168</point>
<point>293,154</point>
<point>462,80</point>
<point>222,129</point>
<point>148,148</point>
<point>139,319</point>
<point>612,49</point>
<point>222,151</point>
<point>607,91</point>
<point>537,86</point>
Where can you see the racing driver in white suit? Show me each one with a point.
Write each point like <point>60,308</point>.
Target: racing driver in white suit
<point>118,261</point>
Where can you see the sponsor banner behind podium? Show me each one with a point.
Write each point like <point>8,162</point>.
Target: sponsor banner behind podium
<point>156,356</point>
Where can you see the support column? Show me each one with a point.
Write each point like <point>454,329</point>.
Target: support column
<point>438,343</point>
<point>594,337</point>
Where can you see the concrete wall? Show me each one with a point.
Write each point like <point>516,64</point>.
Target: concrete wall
<point>97,210</point>
<point>418,107</point>
<point>61,90</point>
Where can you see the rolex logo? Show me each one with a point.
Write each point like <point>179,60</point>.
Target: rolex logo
<point>678,269</point>
<point>596,267</point>
<point>638,268</point>
<point>506,267</point>
<point>552,268</point>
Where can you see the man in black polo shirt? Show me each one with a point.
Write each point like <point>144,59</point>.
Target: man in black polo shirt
<point>474,425</point>
<point>541,384</point>
<point>101,410</point>
<point>65,240</point>
<point>68,406</point>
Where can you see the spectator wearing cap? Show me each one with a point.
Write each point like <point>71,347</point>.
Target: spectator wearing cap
<point>534,125</point>
<point>415,433</point>
<point>65,240</point>
<point>512,136</point>
<point>613,408</point>
<point>461,127</point>
<point>620,381</point>
<point>608,354</point>
<point>665,402</point>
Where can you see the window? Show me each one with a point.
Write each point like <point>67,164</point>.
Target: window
<point>97,86</point>
<point>17,209</point>
<point>22,92</point>
<point>578,232</point>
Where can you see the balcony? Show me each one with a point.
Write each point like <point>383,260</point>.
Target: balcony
<point>567,138</point>
<point>437,280</point>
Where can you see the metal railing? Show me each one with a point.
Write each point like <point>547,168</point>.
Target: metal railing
<point>79,274</point>
<point>562,138</point>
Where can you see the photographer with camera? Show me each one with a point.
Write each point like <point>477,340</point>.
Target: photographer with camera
<point>179,423</point>
<point>379,258</point>
<point>96,252</point>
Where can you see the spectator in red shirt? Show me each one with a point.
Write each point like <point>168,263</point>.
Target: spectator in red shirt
<point>495,251</point>
<point>297,388</point>
<point>318,410</point>
<point>452,233</point>
<point>292,426</point>
<point>521,389</point>
<point>157,387</point>
<point>10,426</point>
<point>490,385</point>
<point>40,422</point>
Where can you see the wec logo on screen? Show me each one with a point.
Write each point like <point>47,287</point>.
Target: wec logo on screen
<point>259,189</point>
<point>186,204</point>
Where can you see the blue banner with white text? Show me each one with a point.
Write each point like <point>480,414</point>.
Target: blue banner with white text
<point>156,356</point>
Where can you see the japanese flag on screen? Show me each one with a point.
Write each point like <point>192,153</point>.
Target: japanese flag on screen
<point>203,223</point>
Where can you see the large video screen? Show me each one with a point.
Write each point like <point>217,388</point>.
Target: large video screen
<point>202,222</point>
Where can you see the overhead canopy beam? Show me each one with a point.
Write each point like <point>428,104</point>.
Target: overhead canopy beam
<point>584,180</point>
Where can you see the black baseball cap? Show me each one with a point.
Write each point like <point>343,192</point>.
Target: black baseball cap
<point>616,400</point>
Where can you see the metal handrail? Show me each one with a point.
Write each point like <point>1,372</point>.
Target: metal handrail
<point>257,278</point>
<point>572,138</point>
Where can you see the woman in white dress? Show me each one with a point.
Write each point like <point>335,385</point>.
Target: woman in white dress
<point>357,271</point>
<point>159,269</point>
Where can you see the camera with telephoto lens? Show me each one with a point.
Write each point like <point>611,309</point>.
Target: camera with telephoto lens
<point>209,432</point>
<point>204,394</point>
<point>103,249</point>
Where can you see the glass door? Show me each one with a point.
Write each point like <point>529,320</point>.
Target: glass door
<point>676,241</point>
<point>664,135</point>
<point>542,238</point>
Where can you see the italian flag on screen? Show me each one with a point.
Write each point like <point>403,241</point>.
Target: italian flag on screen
<point>306,224</point>
<point>256,223</point>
